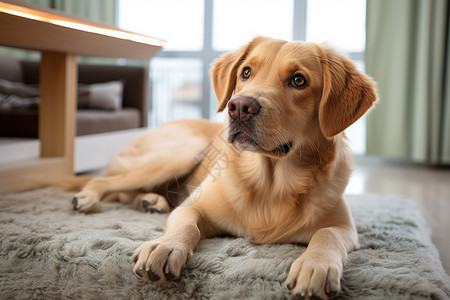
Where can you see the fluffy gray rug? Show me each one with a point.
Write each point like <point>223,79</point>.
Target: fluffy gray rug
<point>48,251</point>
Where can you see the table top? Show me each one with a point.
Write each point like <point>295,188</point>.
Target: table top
<point>32,27</point>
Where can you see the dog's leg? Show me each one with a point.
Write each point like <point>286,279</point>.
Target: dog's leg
<point>161,168</point>
<point>123,197</point>
<point>163,259</point>
<point>317,272</point>
<point>113,197</point>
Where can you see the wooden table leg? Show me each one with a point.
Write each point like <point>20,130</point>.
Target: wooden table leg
<point>57,126</point>
<point>57,115</point>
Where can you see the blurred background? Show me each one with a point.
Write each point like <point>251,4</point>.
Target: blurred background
<point>198,31</point>
<point>402,146</point>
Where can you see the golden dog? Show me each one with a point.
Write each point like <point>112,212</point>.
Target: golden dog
<point>275,171</point>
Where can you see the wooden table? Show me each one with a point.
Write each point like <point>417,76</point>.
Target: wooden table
<point>60,38</point>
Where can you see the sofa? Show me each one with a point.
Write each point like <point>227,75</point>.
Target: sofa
<point>130,111</point>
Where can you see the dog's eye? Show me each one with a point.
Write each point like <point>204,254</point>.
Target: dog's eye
<point>246,73</point>
<point>298,81</point>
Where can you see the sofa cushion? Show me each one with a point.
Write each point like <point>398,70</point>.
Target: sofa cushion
<point>105,95</point>
<point>98,121</point>
<point>25,123</point>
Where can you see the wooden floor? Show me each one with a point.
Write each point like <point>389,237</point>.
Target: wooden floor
<point>428,187</point>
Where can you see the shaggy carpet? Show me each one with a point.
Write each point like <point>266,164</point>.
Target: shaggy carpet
<point>48,251</point>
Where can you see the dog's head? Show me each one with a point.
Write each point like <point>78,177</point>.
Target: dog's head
<point>280,95</point>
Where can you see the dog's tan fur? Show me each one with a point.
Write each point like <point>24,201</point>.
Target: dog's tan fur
<point>267,195</point>
<point>138,172</point>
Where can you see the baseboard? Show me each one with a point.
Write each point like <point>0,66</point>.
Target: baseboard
<point>18,149</point>
<point>95,150</point>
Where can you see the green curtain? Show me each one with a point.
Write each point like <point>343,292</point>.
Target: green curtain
<point>408,55</point>
<point>103,11</point>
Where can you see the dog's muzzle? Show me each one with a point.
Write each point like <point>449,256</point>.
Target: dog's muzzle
<point>242,111</point>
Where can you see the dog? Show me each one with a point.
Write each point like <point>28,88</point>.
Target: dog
<point>275,171</point>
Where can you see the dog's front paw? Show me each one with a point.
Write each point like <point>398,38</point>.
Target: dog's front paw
<point>86,201</point>
<point>160,260</point>
<point>315,275</point>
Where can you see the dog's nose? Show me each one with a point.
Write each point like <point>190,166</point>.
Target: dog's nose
<point>243,108</point>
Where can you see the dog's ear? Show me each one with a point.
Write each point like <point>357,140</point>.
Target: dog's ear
<point>224,72</point>
<point>347,93</point>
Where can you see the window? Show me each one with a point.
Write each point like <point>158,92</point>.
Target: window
<point>178,22</point>
<point>340,23</point>
<point>236,22</point>
<point>177,84</point>
<point>199,31</point>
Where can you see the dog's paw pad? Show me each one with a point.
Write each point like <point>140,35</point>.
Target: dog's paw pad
<point>152,276</point>
<point>330,291</point>
<point>168,273</point>
<point>75,203</point>
<point>138,273</point>
<point>86,201</point>
<point>152,203</point>
<point>291,284</point>
<point>147,204</point>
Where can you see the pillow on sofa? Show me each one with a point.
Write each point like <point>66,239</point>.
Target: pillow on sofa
<point>107,95</point>
<point>20,96</point>
<point>13,102</point>
<point>19,89</point>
